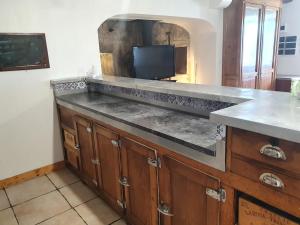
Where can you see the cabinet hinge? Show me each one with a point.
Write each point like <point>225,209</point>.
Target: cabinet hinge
<point>116,143</point>
<point>154,162</point>
<point>95,161</point>
<point>219,195</point>
<point>121,204</point>
<point>95,182</point>
<point>124,182</point>
<point>89,130</point>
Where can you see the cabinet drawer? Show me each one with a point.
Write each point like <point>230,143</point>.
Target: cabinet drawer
<point>280,154</point>
<point>73,157</point>
<point>69,138</point>
<point>251,213</point>
<point>66,117</point>
<point>264,175</point>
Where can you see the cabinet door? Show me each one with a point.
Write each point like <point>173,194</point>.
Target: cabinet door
<point>85,145</point>
<point>108,154</point>
<point>139,178</point>
<point>269,49</point>
<point>250,44</point>
<point>182,195</point>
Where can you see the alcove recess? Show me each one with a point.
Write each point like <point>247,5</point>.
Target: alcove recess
<point>192,39</point>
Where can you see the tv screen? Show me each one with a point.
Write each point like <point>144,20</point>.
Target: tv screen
<point>154,62</point>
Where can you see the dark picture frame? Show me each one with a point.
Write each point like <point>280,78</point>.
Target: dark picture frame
<point>23,51</point>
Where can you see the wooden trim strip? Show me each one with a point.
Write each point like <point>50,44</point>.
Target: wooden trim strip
<point>31,174</point>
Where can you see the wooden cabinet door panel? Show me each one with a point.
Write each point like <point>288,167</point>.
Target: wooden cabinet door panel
<point>108,155</point>
<point>183,191</point>
<point>141,194</point>
<point>85,142</point>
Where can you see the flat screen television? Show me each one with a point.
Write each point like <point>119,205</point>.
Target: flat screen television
<point>154,62</point>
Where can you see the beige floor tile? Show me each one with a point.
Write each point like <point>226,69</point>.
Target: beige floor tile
<point>96,212</point>
<point>4,204</point>
<point>7,217</point>
<point>120,222</point>
<point>41,208</point>
<point>69,217</point>
<point>62,178</point>
<point>29,189</point>
<point>77,193</point>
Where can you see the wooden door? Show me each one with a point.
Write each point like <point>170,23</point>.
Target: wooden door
<point>269,42</point>
<point>139,178</point>
<point>250,45</point>
<point>108,159</point>
<point>183,199</point>
<point>84,137</point>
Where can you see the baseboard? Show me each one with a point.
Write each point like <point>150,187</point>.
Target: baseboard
<point>31,174</point>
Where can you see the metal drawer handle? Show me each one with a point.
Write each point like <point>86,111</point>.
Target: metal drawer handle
<point>164,209</point>
<point>272,180</point>
<point>124,182</point>
<point>273,152</point>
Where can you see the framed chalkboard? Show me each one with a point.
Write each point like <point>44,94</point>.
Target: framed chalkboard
<point>23,52</point>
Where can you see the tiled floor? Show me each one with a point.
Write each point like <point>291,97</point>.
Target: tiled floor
<point>59,198</point>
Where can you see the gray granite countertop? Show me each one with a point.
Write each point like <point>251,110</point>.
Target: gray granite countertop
<point>189,130</point>
<point>276,114</point>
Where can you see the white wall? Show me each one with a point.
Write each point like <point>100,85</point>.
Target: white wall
<point>289,65</point>
<point>29,136</point>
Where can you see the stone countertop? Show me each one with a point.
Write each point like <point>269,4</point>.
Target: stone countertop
<point>183,128</point>
<point>276,114</point>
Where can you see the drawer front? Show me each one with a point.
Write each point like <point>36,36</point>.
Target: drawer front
<point>284,156</point>
<point>69,138</point>
<point>264,175</point>
<point>251,213</point>
<point>66,117</point>
<point>73,157</point>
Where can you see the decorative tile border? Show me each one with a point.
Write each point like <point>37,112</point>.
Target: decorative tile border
<point>184,103</point>
<point>70,87</point>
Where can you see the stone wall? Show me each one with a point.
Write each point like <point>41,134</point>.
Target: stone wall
<point>117,37</point>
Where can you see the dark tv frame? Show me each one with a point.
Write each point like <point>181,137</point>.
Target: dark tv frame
<point>45,58</point>
<point>141,46</point>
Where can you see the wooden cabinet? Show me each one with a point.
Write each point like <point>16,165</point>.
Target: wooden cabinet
<point>84,138</point>
<point>155,186</point>
<point>184,195</point>
<point>108,165</point>
<point>251,29</point>
<point>139,178</point>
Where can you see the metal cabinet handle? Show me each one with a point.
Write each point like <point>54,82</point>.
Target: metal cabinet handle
<point>115,143</point>
<point>273,152</point>
<point>89,130</point>
<point>77,147</point>
<point>124,182</point>
<point>271,180</point>
<point>164,209</point>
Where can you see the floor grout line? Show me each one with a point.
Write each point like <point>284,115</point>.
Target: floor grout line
<point>58,190</point>
<point>11,206</point>
<point>53,216</point>
<point>115,221</point>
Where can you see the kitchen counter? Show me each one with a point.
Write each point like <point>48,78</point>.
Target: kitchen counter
<point>189,130</point>
<point>271,113</point>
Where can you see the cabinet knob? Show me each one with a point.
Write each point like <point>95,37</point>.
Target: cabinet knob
<point>89,130</point>
<point>271,180</point>
<point>77,147</point>
<point>273,152</point>
<point>164,209</point>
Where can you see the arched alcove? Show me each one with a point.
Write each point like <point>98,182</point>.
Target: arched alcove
<point>195,42</point>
